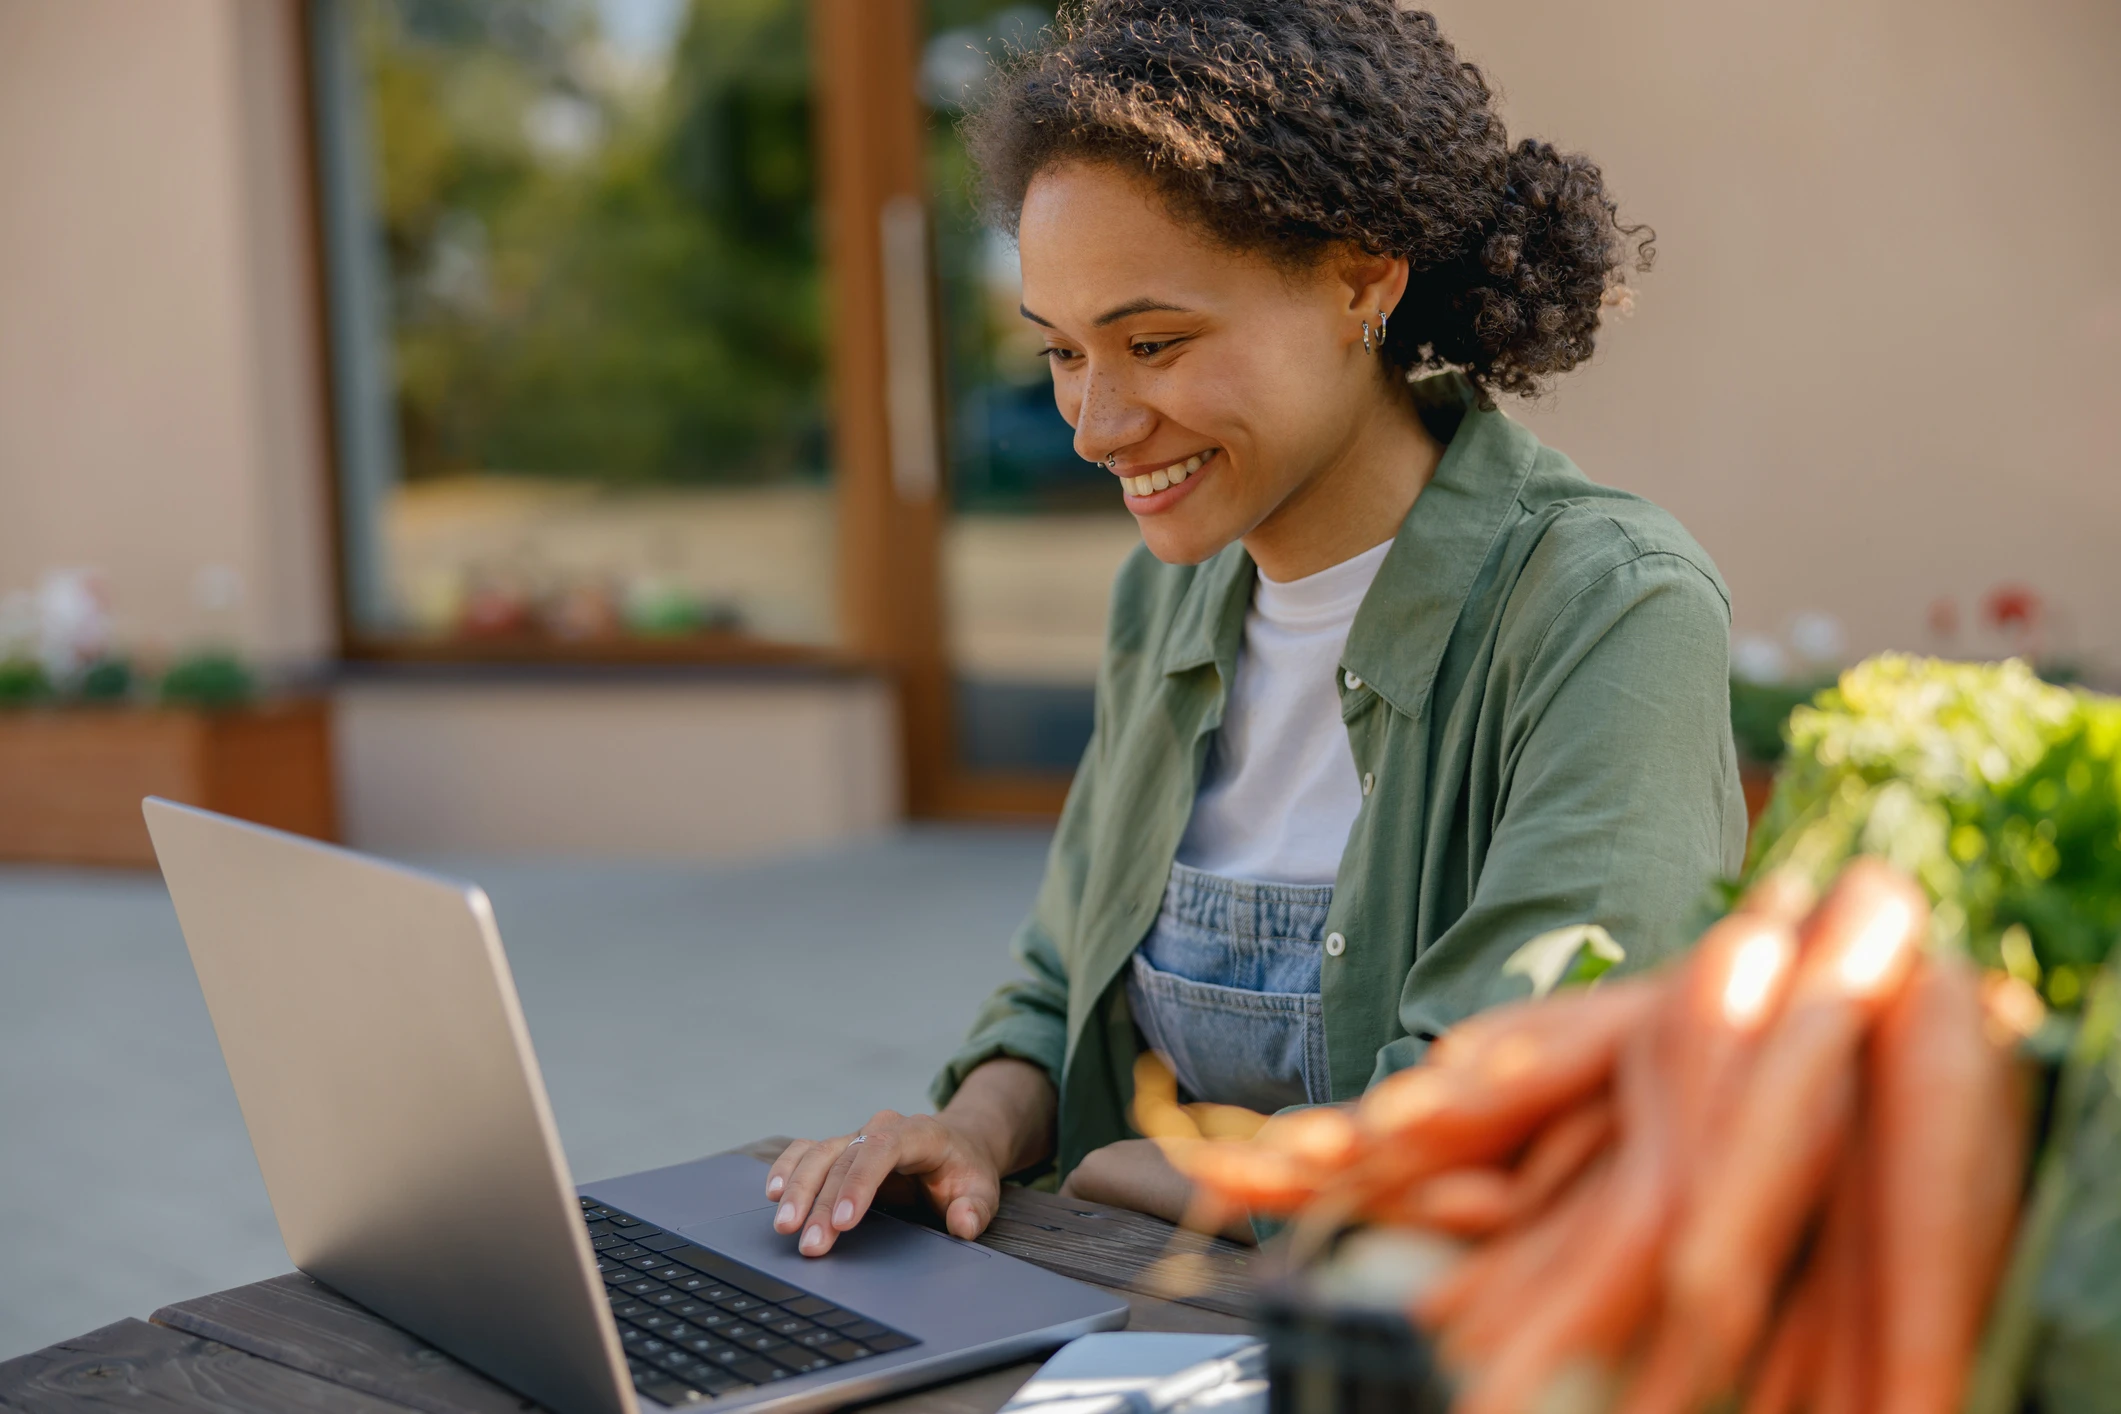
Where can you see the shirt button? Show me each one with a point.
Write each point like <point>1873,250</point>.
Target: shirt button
<point>1369,782</point>
<point>1354,683</point>
<point>1335,945</point>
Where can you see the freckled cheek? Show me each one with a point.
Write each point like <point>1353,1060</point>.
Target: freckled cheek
<point>1068,397</point>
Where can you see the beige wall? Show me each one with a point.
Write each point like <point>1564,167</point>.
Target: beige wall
<point>159,408</point>
<point>159,413</point>
<point>692,771</point>
<point>1875,365</point>
<point>1877,360</point>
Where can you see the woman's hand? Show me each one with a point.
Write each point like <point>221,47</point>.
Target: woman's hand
<point>826,1185</point>
<point>1134,1174</point>
<point>1000,1121</point>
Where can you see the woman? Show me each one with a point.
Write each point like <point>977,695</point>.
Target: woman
<point>1390,688</point>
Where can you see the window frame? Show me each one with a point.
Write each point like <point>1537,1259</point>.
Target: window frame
<point>870,128</point>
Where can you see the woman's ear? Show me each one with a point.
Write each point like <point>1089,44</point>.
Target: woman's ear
<point>1371,282</point>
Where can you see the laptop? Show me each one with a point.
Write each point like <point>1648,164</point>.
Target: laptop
<point>371,1027</point>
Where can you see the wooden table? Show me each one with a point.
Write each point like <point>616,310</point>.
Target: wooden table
<point>291,1344</point>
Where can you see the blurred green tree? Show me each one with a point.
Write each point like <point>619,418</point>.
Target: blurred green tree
<point>601,266</point>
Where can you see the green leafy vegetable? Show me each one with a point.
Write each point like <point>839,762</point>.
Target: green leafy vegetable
<point>1574,956</point>
<point>2000,792</point>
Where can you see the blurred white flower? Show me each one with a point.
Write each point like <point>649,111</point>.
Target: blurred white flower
<point>1758,658</point>
<point>73,621</point>
<point>1819,638</point>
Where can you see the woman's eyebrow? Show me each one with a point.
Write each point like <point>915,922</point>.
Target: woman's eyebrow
<point>1113,316</point>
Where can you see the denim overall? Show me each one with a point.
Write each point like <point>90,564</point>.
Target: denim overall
<point>1226,986</point>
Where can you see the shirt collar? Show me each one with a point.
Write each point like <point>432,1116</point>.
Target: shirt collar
<point>1405,621</point>
<point>1210,622</point>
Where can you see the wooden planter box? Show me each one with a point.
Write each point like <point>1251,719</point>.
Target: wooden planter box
<point>1759,782</point>
<point>71,779</point>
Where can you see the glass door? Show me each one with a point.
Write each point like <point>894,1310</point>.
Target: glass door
<point>1033,534</point>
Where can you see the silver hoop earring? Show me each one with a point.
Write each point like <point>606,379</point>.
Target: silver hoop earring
<point>1366,338</point>
<point>1384,322</point>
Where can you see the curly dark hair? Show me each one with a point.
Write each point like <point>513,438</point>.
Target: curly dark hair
<point>1289,126</point>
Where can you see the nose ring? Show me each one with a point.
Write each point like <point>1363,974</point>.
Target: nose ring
<point>1112,462</point>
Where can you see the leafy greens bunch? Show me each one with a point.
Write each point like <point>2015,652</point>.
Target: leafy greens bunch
<point>2000,792</point>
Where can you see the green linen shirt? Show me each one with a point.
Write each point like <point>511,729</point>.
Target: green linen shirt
<point>1536,693</point>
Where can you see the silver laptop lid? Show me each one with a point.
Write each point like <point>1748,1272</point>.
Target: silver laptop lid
<point>373,1033</point>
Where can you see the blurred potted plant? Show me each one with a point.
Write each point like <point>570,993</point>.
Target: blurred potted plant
<point>1769,680</point>
<point>86,732</point>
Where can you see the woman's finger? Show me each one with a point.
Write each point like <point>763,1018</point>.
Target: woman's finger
<point>881,1135</point>
<point>801,1190</point>
<point>976,1197</point>
<point>911,1146</point>
<point>777,1176</point>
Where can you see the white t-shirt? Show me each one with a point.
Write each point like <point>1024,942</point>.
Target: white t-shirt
<point>1280,790</point>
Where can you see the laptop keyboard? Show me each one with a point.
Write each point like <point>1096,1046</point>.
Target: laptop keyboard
<point>698,1327</point>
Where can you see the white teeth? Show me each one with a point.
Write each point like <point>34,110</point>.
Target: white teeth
<point>1168,477</point>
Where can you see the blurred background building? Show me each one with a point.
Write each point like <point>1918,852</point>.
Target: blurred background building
<point>617,408</point>
<point>608,423</point>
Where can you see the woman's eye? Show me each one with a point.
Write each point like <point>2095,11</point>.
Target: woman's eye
<point>1058,355</point>
<point>1150,348</point>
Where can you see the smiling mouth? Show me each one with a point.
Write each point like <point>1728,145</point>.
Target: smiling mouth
<point>1164,478</point>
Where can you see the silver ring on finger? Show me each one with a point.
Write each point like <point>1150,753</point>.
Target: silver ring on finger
<point>857,1139</point>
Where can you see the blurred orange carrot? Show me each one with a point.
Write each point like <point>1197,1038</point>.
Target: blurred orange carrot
<point>1731,988</point>
<point>1285,1163</point>
<point>1666,1380</point>
<point>1245,1174</point>
<point>1783,1381</point>
<point>1476,1305</point>
<point>1848,1259</point>
<point>1480,1099</point>
<point>1596,1306</point>
<point>1476,1042</point>
<point>1558,1153</point>
<point>1323,1136</point>
<point>1461,1202</point>
<point>1951,1152</point>
<point>1766,1176</point>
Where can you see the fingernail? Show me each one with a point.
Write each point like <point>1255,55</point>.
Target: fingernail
<point>815,1238</point>
<point>785,1216</point>
<point>774,1185</point>
<point>844,1213</point>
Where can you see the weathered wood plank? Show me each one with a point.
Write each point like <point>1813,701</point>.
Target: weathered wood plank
<point>298,1322</point>
<point>1119,1248</point>
<point>294,1321</point>
<point>1111,1247</point>
<point>1173,1281</point>
<point>146,1369</point>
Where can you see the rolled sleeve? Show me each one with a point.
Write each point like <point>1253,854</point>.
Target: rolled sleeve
<point>1027,1018</point>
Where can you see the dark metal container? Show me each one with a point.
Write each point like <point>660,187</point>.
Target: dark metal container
<point>1334,1357</point>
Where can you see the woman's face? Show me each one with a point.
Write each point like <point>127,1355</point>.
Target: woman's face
<point>1230,378</point>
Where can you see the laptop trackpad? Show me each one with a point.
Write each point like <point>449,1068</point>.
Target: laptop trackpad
<point>872,1269</point>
